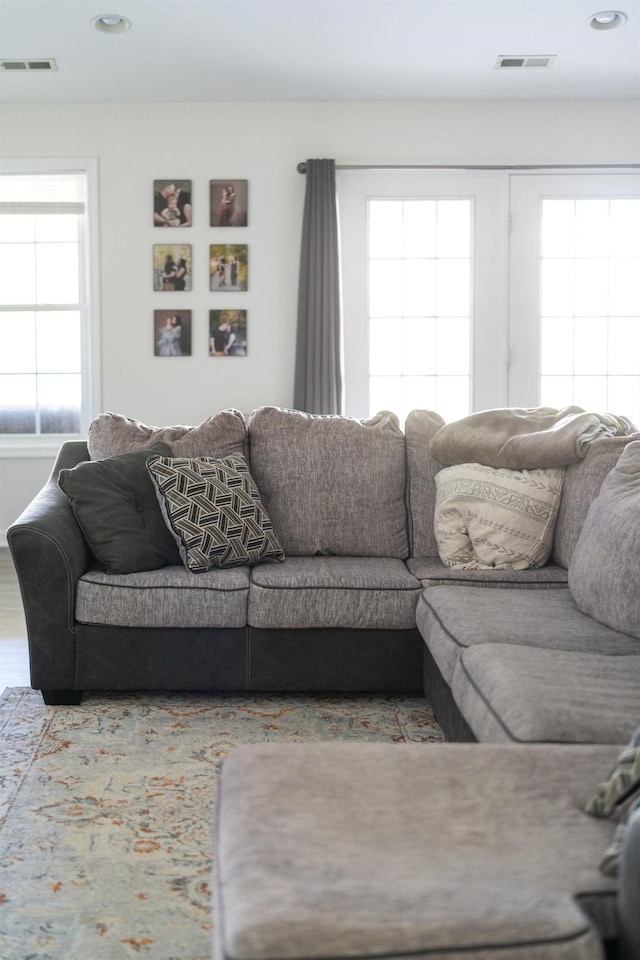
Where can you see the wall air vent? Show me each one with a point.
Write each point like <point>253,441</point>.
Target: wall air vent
<point>525,62</point>
<point>41,64</point>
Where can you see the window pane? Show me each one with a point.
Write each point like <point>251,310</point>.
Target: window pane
<point>624,344</point>
<point>624,290</point>
<point>385,346</point>
<point>57,273</point>
<point>556,391</point>
<point>592,228</point>
<point>625,236</point>
<point>58,342</point>
<point>59,397</point>
<point>557,230</point>
<point>385,393</point>
<point>591,392</point>
<point>17,228</point>
<point>452,397</point>
<point>57,228</point>
<point>624,395</point>
<point>454,228</point>
<point>18,404</point>
<point>419,346</point>
<point>418,288</point>
<point>18,274</point>
<point>453,345</point>
<point>453,285</point>
<point>385,290</point>
<point>419,228</point>
<point>592,287</point>
<point>556,345</point>
<point>385,228</point>
<point>557,288</point>
<point>419,393</point>
<point>18,336</point>
<point>590,345</point>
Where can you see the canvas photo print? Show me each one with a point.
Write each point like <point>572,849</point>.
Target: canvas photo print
<point>172,203</point>
<point>228,203</point>
<point>228,266</point>
<point>227,333</point>
<point>172,333</point>
<point>172,266</point>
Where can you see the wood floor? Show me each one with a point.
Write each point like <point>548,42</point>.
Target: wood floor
<point>14,656</point>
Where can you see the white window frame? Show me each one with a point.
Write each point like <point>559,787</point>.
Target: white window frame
<point>502,344</point>
<point>45,445</point>
<point>527,192</point>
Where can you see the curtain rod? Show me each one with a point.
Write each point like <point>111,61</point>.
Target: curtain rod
<point>302,166</point>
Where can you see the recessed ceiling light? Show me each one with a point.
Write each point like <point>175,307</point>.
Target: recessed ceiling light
<point>111,23</point>
<point>607,19</point>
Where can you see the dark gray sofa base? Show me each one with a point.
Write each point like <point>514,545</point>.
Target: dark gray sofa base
<point>243,659</point>
<point>343,660</point>
<point>438,694</point>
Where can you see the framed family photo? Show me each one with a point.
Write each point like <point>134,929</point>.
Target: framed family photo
<point>172,333</point>
<point>228,266</point>
<point>172,203</point>
<point>227,333</point>
<point>172,266</point>
<point>228,203</point>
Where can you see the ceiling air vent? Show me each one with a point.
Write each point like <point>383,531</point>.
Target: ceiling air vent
<point>42,64</point>
<point>525,62</point>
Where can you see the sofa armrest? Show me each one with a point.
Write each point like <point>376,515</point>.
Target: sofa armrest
<point>50,555</point>
<point>629,890</point>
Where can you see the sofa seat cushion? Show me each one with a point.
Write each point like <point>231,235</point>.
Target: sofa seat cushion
<point>357,592</point>
<point>332,485</point>
<point>442,851</point>
<point>452,618</point>
<point>170,597</point>
<point>432,572</point>
<point>527,695</point>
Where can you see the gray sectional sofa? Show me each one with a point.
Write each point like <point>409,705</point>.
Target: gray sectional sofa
<point>352,505</point>
<point>429,851</point>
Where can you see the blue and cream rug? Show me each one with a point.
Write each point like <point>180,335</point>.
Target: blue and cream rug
<point>106,810</point>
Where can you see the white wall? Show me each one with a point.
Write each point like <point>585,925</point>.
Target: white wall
<point>261,142</point>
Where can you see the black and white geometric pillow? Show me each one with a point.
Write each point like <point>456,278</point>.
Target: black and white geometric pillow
<point>213,509</point>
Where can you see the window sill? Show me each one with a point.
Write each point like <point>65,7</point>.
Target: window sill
<point>27,447</point>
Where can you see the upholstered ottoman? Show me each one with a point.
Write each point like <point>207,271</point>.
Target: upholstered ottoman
<point>443,851</point>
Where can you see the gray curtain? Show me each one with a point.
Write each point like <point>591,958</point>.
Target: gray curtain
<point>318,374</point>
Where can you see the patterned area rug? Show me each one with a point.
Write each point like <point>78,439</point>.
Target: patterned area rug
<point>106,810</point>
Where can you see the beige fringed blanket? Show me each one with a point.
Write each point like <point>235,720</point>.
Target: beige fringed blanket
<point>525,438</point>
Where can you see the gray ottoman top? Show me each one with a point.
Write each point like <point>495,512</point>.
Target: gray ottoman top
<point>378,850</point>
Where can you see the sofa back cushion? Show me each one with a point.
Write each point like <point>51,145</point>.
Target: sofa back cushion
<point>221,435</point>
<point>419,428</point>
<point>582,482</point>
<point>115,505</point>
<point>605,566</point>
<point>331,485</point>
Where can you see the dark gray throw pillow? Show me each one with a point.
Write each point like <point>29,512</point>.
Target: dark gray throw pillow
<point>115,505</point>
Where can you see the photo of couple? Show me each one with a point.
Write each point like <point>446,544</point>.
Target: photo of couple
<point>227,333</point>
<point>172,266</point>
<point>228,268</point>
<point>172,333</point>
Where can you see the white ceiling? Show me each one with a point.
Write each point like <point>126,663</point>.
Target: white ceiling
<point>327,50</point>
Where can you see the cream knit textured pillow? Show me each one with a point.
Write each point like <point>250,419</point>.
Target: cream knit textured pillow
<point>494,517</point>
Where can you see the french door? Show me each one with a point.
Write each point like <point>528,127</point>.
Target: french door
<point>468,290</point>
